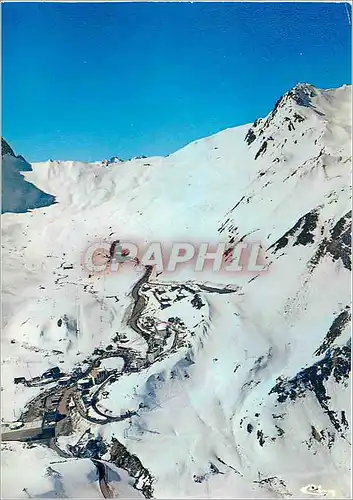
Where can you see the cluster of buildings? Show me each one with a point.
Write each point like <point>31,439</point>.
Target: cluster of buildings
<point>161,331</point>
<point>96,377</point>
<point>48,376</point>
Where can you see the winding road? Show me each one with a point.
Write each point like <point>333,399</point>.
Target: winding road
<point>102,473</point>
<point>139,302</point>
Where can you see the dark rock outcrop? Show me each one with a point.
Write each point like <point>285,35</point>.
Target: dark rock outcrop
<point>302,231</point>
<point>120,457</point>
<point>337,245</point>
<point>19,195</point>
<point>336,364</point>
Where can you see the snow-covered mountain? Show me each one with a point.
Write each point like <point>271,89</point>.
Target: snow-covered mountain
<point>252,398</point>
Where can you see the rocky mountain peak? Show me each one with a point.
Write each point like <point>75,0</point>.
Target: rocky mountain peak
<point>291,113</point>
<point>18,194</point>
<point>6,148</point>
<point>302,94</point>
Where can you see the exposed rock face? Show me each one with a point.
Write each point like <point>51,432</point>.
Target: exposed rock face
<point>300,234</point>
<point>336,364</point>
<point>19,195</point>
<point>6,148</point>
<point>302,94</point>
<point>337,245</point>
<point>120,456</point>
<point>335,330</point>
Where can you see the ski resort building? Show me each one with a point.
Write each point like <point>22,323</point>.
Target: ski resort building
<point>99,375</point>
<point>52,373</point>
<point>161,328</point>
<point>50,420</point>
<point>64,381</point>
<point>85,383</point>
<point>19,380</point>
<point>152,355</point>
<point>26,432</point>
<point>137,363</point>
<point>29,431</point>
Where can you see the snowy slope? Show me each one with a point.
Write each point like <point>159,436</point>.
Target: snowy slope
<point>50,477</point>
<point>253,399</point>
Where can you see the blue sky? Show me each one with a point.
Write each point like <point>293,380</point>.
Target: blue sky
<point>89,81</point>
